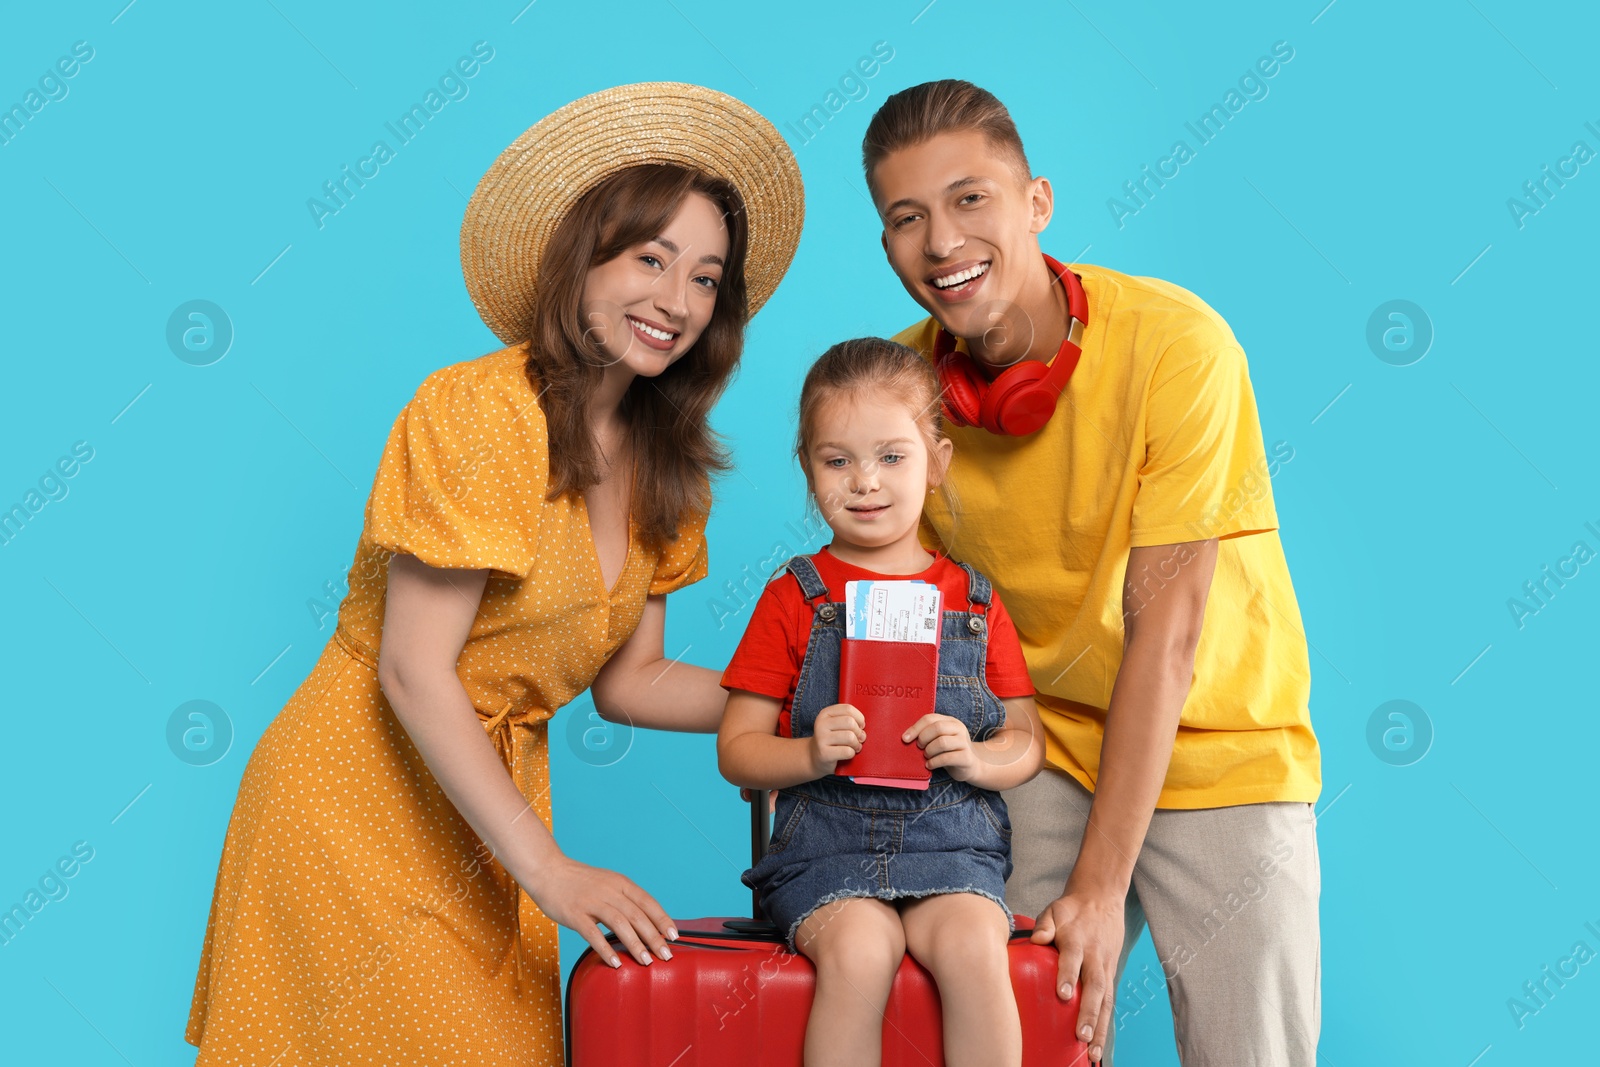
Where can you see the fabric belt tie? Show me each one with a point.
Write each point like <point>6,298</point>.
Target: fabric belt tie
<point>499,728</point>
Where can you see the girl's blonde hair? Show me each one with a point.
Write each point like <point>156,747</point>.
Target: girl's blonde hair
<point>867,366</point>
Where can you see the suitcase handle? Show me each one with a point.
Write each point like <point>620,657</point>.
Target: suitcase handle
<point>760,838</point>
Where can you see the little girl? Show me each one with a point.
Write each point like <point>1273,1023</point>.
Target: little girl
<point>858,875</point>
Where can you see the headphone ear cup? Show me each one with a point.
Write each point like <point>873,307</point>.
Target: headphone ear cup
<point>1011,398</point>
<point>963,390</point>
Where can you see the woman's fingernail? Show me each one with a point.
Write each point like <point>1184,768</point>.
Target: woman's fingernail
<point>666,953</point>
<point>1066,990</point>
<point>672,933</point>
<point>1094,1053</point>
<point>615,962</point>
<point>1085,1032</point>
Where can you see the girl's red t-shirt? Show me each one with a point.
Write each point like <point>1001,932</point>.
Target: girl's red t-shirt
<point>773,647</point>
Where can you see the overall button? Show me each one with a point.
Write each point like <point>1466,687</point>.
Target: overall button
<point>826,612</point>
<point>975,624</point>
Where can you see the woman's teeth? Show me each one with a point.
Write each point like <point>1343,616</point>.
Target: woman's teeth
<point>950,281</point>
<point>651,331</point>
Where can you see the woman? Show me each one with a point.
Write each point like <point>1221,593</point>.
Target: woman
<point>381,897</point>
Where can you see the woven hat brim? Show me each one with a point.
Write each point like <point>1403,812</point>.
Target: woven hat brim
<point>533,184</point>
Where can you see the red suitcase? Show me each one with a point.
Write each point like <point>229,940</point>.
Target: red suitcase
<point>734,994</point>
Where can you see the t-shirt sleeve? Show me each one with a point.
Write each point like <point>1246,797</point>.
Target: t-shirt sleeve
<point>1205,471</point>
<point>768,658</point>
<point>462,478</point>
<point>685,560</point>
<point>1004,668</point>
<point>919,335</point>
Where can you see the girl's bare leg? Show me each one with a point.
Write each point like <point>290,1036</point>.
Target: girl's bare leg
<point>856,945</point>
<point>961,939</point>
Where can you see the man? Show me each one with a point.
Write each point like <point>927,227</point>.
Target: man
<point>1134,537</point>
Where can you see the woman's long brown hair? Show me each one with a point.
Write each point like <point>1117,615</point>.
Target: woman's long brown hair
<point>674,449</point>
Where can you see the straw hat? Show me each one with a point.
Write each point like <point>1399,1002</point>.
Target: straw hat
<point>529,189</point>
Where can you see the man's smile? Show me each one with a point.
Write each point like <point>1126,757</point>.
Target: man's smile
<point>960,280</point>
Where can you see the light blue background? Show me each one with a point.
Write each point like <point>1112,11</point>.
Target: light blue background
<point>1378,167</point>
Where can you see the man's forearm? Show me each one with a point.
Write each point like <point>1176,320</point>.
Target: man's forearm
<point>1163,608</point>
<point>1141,726</point>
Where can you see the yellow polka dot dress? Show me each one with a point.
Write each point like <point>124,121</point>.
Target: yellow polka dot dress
<point>357,918</point>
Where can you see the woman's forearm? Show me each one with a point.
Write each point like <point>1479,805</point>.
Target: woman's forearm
<point>664,694</point>
<point>439,718</point>
<point>640,685</point>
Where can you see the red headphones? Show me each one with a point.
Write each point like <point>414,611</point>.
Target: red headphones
<point>1022,399</point>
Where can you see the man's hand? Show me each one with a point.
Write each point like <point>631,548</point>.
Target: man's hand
<point>1088,932</point>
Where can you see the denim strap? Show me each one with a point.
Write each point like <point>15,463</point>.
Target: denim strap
<point>978,588</point>
<point>811,583</point>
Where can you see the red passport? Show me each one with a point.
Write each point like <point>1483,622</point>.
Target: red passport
<point>894,683</point>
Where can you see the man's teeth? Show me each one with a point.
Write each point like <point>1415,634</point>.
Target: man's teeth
<point>949,281</point>
<point>651,331</point>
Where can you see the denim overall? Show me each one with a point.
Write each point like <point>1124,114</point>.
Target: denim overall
<point>834,839</point>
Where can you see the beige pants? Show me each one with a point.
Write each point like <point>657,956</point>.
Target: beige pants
<point>1230,895</point>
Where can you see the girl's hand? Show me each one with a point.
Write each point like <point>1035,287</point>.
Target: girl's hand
<point>946,743</point>
<point>579,896</point>
<point>838,734</point>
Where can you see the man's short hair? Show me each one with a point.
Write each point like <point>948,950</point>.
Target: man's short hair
<point>924,111</point>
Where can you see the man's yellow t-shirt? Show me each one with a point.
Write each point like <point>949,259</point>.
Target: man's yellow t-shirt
<point>1155,441</point>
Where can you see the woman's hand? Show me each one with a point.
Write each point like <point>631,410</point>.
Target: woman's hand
<point>945,743</point>
<point>838,734</point>
<point>749,796</point>
<point>579,896</point>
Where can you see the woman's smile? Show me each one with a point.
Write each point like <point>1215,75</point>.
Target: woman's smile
<point>670,282</point>
<point>653,333</point>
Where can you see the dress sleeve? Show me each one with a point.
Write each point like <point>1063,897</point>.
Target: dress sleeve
<point>1205,471</point>
<point>462,479</point>
<point>686,560</point>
